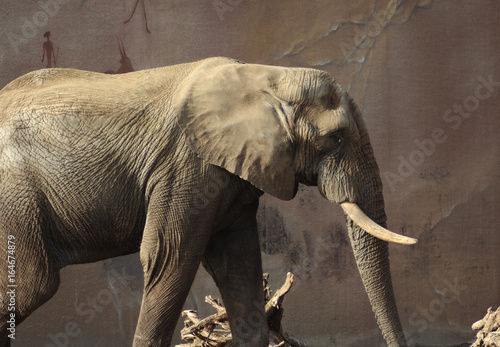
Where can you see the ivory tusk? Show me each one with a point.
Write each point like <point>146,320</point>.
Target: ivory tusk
<point>363,221</point>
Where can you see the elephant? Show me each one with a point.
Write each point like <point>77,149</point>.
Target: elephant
<point>170,162</point>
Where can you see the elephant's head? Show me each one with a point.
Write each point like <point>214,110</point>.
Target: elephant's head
<point>276,127</point>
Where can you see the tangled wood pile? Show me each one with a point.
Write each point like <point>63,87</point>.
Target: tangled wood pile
<point>213,331</point>
<point>489,330</point>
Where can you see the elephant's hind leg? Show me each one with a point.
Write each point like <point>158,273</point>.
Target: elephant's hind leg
<point>35,283</point>
<point>32,275</point>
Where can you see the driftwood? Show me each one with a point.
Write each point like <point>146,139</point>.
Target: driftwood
<point>489,330</point>
<point>214,331</point>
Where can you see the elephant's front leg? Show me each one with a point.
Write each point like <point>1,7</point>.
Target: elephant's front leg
<point>171,251</point>
<point>233,259</point>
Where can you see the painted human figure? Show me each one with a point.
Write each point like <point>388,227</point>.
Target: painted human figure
<point>48,49</point>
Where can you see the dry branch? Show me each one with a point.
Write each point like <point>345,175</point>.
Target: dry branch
<point>489,330</point>
<point>214,331</point>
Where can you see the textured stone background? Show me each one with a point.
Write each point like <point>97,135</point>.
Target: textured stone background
<point>426,75</point>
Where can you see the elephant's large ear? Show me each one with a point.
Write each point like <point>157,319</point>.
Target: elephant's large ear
<point>231,117</point>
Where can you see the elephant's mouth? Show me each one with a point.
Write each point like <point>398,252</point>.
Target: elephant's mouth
<point>364,222</point>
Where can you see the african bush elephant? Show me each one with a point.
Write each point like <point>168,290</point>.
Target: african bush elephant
<point>171,162</point>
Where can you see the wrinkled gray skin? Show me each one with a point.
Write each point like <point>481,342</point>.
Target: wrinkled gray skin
<point>171,162</point>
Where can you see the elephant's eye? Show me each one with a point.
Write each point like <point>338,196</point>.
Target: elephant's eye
<point>337,138</point>
<point>332,144</point>
<point>337,142</point>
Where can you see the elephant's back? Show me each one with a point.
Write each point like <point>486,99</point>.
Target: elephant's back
<point>45,77</point>
<point>72,89</point>
<point>63,108</point>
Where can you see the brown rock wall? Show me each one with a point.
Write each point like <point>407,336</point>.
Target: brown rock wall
<point>426,75</point>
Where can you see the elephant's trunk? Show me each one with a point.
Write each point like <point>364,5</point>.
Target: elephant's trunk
<point>362,185</point>
<point>372,259</point>
<point>372,254</point>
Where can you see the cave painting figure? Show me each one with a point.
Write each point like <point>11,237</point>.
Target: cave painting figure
<point>125,63</point>
<point>48,50</point>
<point>144,11</point>
<point>171,163</point>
